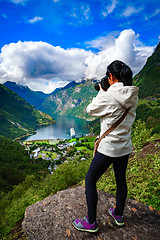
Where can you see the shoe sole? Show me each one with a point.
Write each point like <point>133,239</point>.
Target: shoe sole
<point>86,230</point>
<point>119,224</point>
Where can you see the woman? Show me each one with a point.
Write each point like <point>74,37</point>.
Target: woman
<point>115,148</point>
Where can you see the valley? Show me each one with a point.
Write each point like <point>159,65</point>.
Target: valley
<point>26,166</point>
<point>73,99</point>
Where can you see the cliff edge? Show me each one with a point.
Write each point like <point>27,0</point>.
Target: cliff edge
<point>52,218</point>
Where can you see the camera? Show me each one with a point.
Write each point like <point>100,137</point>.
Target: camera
<point>104,84</point>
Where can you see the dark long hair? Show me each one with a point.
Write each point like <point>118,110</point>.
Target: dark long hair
<point>121,71</point>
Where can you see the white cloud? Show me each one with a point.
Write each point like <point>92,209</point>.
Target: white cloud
<point>103,42</point>
<point>47,87</point>
<point>86,12</point>
<point>125,47</point>
<point>157,11</point>
<point>131,10</point>
<point>109,9</point>
<point>80,14</point>
<point>44,67</point>
<point>19,1</point>
<point>35,19</point>
<point>56,1</point>
<point>39,63</point>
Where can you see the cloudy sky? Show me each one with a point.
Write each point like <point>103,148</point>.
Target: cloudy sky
<point>46,44</point>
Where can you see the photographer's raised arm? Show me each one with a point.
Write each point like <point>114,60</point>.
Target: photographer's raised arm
<point>98,107</point>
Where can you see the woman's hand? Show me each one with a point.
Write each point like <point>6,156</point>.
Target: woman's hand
<point>100,87</point>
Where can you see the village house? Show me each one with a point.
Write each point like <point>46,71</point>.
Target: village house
<point>35,152</point>
<point>62,146</point>
<point>72,144</point>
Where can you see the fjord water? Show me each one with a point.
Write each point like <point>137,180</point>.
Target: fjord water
<point>61,129</point>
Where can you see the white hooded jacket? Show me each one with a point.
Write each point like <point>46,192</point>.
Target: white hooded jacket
<point>109,106</point>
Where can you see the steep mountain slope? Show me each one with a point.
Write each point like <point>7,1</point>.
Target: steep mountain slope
<point>33,97</point>
<point>17,117</point>
<point>70,101</point>
<point>148,79</point>
<point>36,98</point>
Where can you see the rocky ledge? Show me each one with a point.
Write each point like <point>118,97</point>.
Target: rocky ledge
<point>52,218</point>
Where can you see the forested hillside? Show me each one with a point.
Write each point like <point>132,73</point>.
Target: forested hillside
<point>33,97</point>
<point>17,117</point>
<point>15,164</point>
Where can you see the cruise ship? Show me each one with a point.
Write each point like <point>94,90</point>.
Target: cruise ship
<point>72,132</point>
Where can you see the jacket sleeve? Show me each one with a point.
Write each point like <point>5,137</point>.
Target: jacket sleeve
<point>98,106</point>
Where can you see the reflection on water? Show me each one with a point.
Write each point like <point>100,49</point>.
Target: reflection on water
<point>61,129</point>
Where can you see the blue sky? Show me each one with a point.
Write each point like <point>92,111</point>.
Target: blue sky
<point>48,43</point>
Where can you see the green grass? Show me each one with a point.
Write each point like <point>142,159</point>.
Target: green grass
<point>89,138</point>
<point>91,144</point>
<point>72,140</point>
<point>142,180</point>
<point>50,154</point>
<point>81,148</point>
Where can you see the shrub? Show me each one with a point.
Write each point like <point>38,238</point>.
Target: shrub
<point>140,135</point>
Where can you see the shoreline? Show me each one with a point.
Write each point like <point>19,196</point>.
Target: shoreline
<point>26,135</point>
<point>57,139</point>
<point>40,140</point>
<point>34,132</point>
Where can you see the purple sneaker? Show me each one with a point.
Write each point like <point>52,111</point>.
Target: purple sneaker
<point>84,225</point>
<point>118,219</point>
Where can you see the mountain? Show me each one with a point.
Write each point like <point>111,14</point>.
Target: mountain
<point>148,79</point>
<point>71,100</point>
<point>74,99</point>
<point>17,117</point>
<point>33,97</point>
<point>71,85</point>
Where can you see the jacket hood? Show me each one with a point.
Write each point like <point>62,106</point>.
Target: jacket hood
<point>124,95</point>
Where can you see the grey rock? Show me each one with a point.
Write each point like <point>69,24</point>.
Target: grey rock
<point>52,218</point>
